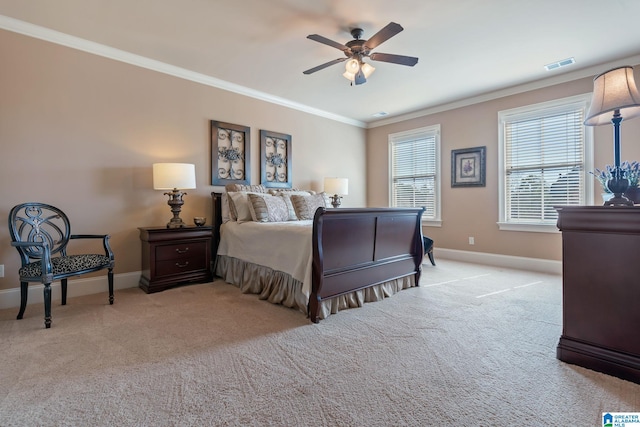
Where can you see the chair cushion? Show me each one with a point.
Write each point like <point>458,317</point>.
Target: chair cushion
<point>66,265</point>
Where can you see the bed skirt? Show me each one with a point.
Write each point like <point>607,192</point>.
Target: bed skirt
<point>278,287</point>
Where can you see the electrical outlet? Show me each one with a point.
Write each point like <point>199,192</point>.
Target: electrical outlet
<point>1,270</point>
<point>472,240</point>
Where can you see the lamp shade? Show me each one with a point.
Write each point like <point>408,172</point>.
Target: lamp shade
<point>336,186</point>
<point>167,176</point>
<point>613,90</point>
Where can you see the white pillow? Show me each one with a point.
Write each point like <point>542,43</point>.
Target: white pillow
<point>224,204</point>
<point>239,205</point>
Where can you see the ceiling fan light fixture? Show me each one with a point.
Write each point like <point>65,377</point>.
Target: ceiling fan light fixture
<point>367,69</point>
<point>361,67</point>
<point>352,66</point>
<point>349,76</point>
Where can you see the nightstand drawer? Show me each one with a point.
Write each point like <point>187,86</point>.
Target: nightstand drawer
<point>181,251</point>
<point>174,256</point>
<point>180,266</point>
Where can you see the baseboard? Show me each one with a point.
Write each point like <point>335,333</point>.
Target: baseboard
<point>598,358</point>
<point>507,261</point>
<point>10,298</point>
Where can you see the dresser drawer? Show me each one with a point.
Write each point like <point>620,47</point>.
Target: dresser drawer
<point>180,266</point>
<point>177,251</point>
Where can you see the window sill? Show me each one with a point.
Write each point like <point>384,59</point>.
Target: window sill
<point>432,222</point>
<point>531,228</point>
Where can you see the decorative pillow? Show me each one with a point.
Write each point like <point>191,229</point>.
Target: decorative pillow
<point>241,187</point>
<point>267,208</point>
<point>224,204</point>
<point>276,191</point>
<point>306,206</point>
<point>239,206</point>
<point>286,194</point>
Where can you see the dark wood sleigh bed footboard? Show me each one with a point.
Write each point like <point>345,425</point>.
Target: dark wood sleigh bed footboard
<point>354,249</point>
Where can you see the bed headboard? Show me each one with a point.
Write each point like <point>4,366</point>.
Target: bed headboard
<point>216,222</point>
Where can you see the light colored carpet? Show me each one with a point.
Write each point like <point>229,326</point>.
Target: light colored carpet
<point>474,345</point>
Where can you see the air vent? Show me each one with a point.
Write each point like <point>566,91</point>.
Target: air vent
<point>560,64</point>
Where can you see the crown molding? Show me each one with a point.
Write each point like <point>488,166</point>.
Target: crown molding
<point>514,90</point>
<point>57,37</point>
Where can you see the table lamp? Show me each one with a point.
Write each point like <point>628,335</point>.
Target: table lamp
<point>175,177</point>
<point>339,187</point>
<point>615,97</point>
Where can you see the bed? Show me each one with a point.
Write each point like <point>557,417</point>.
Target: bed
<point>320,261</point>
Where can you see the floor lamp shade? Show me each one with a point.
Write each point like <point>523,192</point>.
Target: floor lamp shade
<point>174,177</point>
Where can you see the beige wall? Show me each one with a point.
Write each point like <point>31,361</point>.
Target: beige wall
<point>474,211</point>
<point>81,132</point>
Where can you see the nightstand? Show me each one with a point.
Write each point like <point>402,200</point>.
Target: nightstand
<point>174,256</point>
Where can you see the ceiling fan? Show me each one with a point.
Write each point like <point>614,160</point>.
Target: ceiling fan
<point>357,49</point>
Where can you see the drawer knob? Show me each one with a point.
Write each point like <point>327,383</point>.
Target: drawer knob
<point>182,265</point>
<point>182,251</point>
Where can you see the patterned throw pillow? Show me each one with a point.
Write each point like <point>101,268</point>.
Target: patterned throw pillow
<point>267,208</point>
<point>286,194</point>
<point>306,206</point>
<point>245,187</point>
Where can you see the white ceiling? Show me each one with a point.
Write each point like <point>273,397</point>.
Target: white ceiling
<point>467,48</point>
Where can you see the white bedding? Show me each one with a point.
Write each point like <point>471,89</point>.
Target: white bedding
<point>282,246</point>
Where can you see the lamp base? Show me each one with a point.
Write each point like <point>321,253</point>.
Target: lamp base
<point>176,202</point>
<point>618,185</point>
<point>335,201</point>
<point>176,224</point>
<point>618,199</point>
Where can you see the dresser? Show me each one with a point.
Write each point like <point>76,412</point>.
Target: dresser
<point>174,256</point>
<point>601,289</point>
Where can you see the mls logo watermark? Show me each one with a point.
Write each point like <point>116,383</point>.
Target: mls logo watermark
<point>621,419</point>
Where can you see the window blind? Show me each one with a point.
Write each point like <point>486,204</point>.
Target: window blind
<point>544,165</point>
<point>414,172</point>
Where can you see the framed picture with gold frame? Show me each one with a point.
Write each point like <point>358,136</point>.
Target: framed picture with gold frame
<point>275,159</point>
<point>468,167</point>
<point>230,153</point>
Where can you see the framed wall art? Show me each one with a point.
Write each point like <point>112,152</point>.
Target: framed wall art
<point>468,167</point>
<point>230,153</point>
<point>275,159</point>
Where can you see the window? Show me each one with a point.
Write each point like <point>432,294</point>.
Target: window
<point>544,151</point>
<point>415,171</point>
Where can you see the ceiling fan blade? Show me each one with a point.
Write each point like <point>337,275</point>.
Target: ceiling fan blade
<point>328,42</point>
<point>325,65</point>
<point>394,59</point>
<point>383,35</point>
